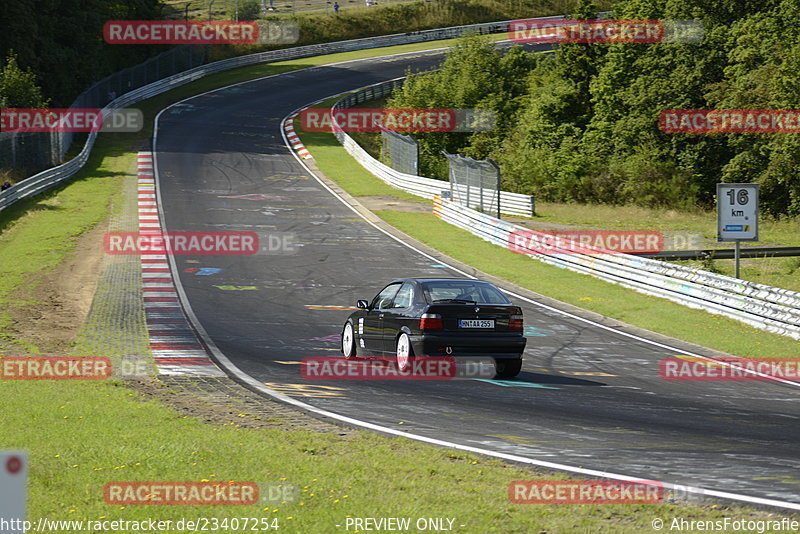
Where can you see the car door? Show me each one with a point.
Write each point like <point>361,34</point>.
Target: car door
<point>394,315</point>
<point>371,331</point>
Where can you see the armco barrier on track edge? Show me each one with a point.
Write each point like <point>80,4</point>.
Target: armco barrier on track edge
<point>641,274</point>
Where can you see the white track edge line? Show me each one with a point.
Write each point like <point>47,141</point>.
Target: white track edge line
<point>241,375</point>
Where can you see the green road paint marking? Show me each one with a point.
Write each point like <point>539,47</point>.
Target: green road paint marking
<point>507,384</point>
<point>568,373</point>
<point>237,288</point>
<point>533,331</point>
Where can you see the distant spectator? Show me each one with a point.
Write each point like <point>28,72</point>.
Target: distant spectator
<point>369,3</point>
<point>336,7</point>
<point>5,186</point>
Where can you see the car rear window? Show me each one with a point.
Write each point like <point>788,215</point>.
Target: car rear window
<point>468,290</point>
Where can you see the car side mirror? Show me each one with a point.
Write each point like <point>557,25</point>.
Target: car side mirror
<point>362,305</point>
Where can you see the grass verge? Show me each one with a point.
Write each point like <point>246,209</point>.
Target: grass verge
<point>88,434</point>
<point>37,234</point>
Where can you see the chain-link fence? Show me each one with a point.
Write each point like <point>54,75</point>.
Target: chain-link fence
<point>401,152</point>
<point>475,183</point>
<point>30,152</point>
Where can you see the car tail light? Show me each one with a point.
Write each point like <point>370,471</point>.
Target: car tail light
<point>515,323</point>
<point>430,321</point>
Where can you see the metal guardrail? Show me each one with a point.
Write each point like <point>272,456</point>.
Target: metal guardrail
<point>768,308</point>
<point>510,203</point>
<point>51,177</point>
<point>724,253</point>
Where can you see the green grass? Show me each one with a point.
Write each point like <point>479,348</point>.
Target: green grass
<point>38,234</point>
<point>83,435</point>
<point>652,313</point>
<point>335,161</point>
<point>80,435</point>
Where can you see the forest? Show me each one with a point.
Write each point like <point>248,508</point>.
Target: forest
<point>582,124</point>
<point>51,50</point>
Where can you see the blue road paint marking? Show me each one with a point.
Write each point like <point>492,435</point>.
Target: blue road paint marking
<point>512,384</point>
<point>437,266</point>
<point>533,331</point>
<point>205,271</point>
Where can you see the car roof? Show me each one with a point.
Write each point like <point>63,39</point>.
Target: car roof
<point>438,280</point>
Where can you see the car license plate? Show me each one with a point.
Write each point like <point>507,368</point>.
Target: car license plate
<point>476,323</point>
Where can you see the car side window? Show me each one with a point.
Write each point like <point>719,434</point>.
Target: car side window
<point>384,299</point>
<point>404,296</point>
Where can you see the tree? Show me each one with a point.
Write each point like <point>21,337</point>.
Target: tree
<point>61,41</point>
<point>474,75</point>
<point>18,87</point>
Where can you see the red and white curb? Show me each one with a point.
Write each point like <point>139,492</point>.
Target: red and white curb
<point>291,135</point>
<point>173,342</point>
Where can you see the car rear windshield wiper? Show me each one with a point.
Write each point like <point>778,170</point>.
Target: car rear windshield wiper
<point>462,301</point>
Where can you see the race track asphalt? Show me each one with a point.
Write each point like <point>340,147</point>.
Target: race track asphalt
<point>588,396</point>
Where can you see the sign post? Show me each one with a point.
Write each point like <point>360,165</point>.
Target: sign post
<point>13,490</point>
<point>737,215</point>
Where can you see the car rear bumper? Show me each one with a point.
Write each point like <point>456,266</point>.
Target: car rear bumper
<point>500,347</point>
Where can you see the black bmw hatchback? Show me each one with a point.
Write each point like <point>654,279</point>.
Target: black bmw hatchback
<point>415,317</point>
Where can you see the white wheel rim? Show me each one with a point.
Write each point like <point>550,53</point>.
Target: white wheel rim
<point>347,340</point>
<point>402,352</point>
